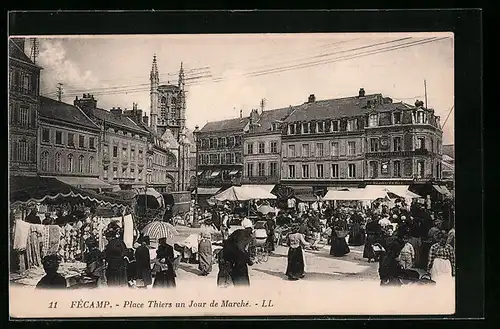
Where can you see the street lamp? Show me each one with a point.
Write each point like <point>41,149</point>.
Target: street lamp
<point>195,215</point>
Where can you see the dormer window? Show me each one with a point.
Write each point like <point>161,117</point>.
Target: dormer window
<point>305,128</point>
<point>352,124</point>
<point>420,117</point>
<point>291,129</point>
<point>396,118</point>
<point>335,125</point>
<point>373,120</point>
<point>321,126</point>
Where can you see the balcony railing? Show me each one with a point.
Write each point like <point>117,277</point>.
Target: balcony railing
<point>261,179</point>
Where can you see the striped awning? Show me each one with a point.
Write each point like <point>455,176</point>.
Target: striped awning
<point>234,172</point>
<point>215,174</point>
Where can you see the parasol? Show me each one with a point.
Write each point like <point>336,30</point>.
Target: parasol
<point>265,209</point>
<point>157,230</point>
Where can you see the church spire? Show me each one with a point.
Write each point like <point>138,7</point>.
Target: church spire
<point>155,81</point>
<point>181,77</point>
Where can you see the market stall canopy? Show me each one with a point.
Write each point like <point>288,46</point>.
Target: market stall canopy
<point>244,193</point>
<point>207,190</point>
<point>304,194</point>
<point>268,188</point>
<point>356,194</point>
<point>85,182</point>
<point>24,189</point>
<point>150,198</point>
<point>443,190</point>
<point>394,191</point>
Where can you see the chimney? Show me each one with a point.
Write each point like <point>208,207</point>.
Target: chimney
<point>87,104</point>
<point>138,115</point>
<point>311,99</point>
<point>419,103</point>
<point>361,92</point>
<point>20,42</point>
<point>241,114</point>
<point>116,111</point>
<point>145,119</point>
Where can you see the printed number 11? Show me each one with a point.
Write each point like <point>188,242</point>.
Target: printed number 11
<point>53,305</point>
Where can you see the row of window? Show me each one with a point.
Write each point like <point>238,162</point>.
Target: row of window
<point>23,150</point>
<point>125,172</point>
<point>272,169</point>
<point>23,82</point>
<point>261,147</point>
<point>22,115</point>
<point>66,164</point>
<point>320,171</point>
<point>128,134</point>
<point>227,158</point>
<point>70,139</point>
<point>124,153</point>
<point>305,150</point>
<point>321,127</point>
<point>220,142</point>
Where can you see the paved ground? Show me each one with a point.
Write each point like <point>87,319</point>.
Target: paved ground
<point>319,266</point>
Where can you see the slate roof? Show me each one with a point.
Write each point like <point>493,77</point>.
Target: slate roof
<point>18,53</point>
<point>270,116</point>
<point>340,108</point>
<point>52,109</point>
<point>225,125</point>
<point>118,120</point>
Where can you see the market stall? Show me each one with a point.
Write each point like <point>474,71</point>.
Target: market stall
<point>71,221</point>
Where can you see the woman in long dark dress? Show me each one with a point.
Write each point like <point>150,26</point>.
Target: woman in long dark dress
<point>236,253</point>
<point>224,276</point>
<point>143,262</point>
<point>165,274</point>
<point>390,270</point>
<point>296,265</point>
<point>372,236</point>
<point>338,244</point>
<point>356,233</point>
<point>116,269</point>
<point>95,264</point>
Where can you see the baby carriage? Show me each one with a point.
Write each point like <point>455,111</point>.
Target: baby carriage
<point>259,242</point>
<point>377,250</point>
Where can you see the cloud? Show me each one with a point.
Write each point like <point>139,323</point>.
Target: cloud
<point>58,68</point>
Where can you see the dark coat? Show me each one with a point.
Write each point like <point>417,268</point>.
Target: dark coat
<point>116,270</point>
<point>143,263</point>
<point>52,281</point>
<point>165,278</point>
<point>239,260</point>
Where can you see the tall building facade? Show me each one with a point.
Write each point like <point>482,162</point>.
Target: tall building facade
<point>262,147</point>
<point>24,91</point>
<point>123,145</point>
<point>68,145</point>
<point>220,160</point>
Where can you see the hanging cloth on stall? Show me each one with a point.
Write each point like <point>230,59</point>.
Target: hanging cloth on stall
<point>54,239</point>
<point>21,235</point>
<point>128,231</point>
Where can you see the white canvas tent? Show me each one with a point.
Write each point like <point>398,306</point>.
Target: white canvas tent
<point>355,194</point>
<point>400,191</point>
<point>244,193</point>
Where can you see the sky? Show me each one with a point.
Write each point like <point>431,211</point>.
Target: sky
<point>229,73</point>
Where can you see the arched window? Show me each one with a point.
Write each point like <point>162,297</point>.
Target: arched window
<point>80,163</point>
<point>91,165</point>
<point>45,161</point>
<point>71,164</point>
<point>58,162</point>
<point>163,100</point>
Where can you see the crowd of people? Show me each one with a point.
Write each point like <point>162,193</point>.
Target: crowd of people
<point>404,240</point>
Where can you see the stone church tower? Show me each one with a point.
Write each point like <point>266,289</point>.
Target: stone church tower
<point>168,119</point>
<point>168,103</point>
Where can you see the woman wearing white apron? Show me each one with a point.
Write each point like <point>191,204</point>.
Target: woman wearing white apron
<point>441,263</point>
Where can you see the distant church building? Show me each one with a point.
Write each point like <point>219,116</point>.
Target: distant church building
<point>168,120</point>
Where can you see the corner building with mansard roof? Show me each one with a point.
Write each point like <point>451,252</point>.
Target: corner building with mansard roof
<point>361,140</point>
